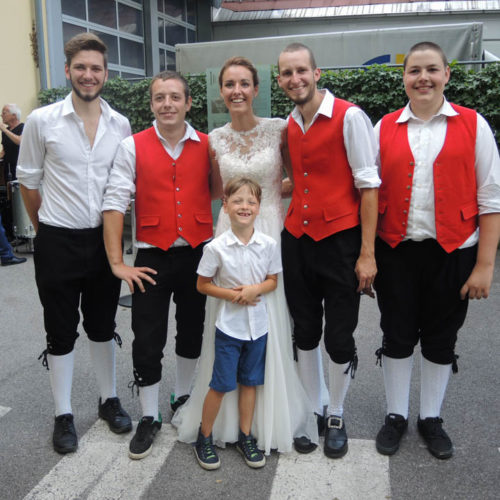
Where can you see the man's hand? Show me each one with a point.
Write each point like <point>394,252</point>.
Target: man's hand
<point>366,270</point>
<point>133,275</point>
<point>247,295</point>
<point>478,284</point>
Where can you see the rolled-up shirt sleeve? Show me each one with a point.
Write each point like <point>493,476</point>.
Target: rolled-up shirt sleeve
<point>487,169</point>
<point>361,148</point>
<point>120,187</point>
<point>31,153</point>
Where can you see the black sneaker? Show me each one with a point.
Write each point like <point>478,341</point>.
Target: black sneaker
<point>205,453</point>
<point>438,442</point>
<point>177,403</point>
<point>335,437</point>
<point>64,437</point>
<point>116,417</point>
<point>390,434</point>
<point>247,446</point>
<point>142,442</point>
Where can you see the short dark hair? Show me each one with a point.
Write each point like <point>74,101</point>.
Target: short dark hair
<point>238,182</point>
<point>426,46</point>
<point>295,47</point>
<point>170,75</point>
<point>240,61</point>
<point>85,41</point>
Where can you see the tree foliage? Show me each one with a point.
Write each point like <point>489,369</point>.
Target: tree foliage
<point>377,89</point>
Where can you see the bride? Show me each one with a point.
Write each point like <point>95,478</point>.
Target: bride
<point>251,146</point>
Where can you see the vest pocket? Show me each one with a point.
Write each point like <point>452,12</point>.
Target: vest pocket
<point>334,212</point>
<point>203,218</point>
<point>470,210</point>
<point>149,220</point>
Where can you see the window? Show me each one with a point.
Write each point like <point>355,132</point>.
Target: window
<point>120,25</point>
<point>176,24</point>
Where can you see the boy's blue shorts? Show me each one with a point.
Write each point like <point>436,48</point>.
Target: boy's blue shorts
<point>242,361</point>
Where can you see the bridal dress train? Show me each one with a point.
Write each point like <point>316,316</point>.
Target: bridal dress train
<point>282,409</point>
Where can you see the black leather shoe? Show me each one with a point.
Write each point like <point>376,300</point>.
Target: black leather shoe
<point>175,404</point>
<point>335,437</point>
<point>13,260</point>
<point>435,437</point>
<point>390,434</point>
<point>64,437</point>
<point>116,417</point>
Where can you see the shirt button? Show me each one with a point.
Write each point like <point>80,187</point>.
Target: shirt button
<point>306,223</point>
<point>306,191</point>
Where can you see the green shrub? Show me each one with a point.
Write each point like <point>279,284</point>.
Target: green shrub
<point>377,89</point>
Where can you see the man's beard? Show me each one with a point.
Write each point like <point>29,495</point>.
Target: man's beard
<point>85,97</point>
<point>303,100</point>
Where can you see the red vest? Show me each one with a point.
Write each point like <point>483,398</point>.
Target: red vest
<point>172,196</point>
<point>324,199</point>
<point>455,191</point>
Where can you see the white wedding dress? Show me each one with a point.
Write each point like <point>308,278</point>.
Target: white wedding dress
<point>282,409</point>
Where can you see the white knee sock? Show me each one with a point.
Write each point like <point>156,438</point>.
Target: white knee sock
<point>149,400</point>
<point>103,361</point>
<point>61,377</point>
<point>184,374</point>
<point>339,383</point>
<point>397,376</point>
<point>433,382</point>
<point>310,369</point>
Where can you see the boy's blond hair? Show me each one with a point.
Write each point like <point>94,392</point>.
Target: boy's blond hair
<point>238,182</point>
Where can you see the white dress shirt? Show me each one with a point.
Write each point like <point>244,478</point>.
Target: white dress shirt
<point>359,141</point>
<point>426,139</point>
<point>232,263</point>
<point>56,151</point>
<point>121,183</point>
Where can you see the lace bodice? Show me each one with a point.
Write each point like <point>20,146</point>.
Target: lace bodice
<point>254,154</point>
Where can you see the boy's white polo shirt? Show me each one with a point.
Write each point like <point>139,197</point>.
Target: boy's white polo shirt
<point>231,264</point>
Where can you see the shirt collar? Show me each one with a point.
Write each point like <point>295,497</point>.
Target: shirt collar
<point>232,239</point>
<point>445,110</point>
<point>106,111</point>
<point>190,133</point>
<point>325,108</point>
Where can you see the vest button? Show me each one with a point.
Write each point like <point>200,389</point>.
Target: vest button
<point>408,187</point>
<point>179,215</point>
<point>409,175</point>
<point>404,223</point>
<point>405,211</point>
<point>402,235</point>
<point>180,228</point>
<point>177,189</point>
<point>173,164</point>
<point>412,164</point>
<point>306,206</point>
<point>178,203</point>
<point>306,223</point>
<point>306,191</point>
<point>407,199</point>
<point>305,174</point>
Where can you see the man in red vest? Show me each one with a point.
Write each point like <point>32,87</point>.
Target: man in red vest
<point>167,168</point>
<point>439,226</point>
<point>328,240</point>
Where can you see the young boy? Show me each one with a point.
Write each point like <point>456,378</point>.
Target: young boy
<point>239,266</point>
<point>439,220</point>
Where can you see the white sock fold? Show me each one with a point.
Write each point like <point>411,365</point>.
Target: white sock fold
<point>184,375</point>
<point>102,355</point>
<point>433,382</point>
<point>339,383</point>
<point>148,397</point>
<point>310,368</point>
<point>61,378</point>
<point>397,377</point>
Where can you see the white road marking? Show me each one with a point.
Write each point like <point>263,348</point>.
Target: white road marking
<point>362,473</point>
<point>101,467</point>
<point>4,410</point>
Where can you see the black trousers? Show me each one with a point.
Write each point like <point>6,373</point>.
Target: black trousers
<point>176,276</point>
<point>319,278</point>
<point>418,292</point>
<point>72,271</point>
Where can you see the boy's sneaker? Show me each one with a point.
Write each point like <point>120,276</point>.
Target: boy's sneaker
<point>438,442</point>
<point>142,443</point>
<point>205,453</point>
<point>390,434</point>
<point>64,438</point>
<point>247,446</point>
<point>117,418</point>
<point>177,403</point>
